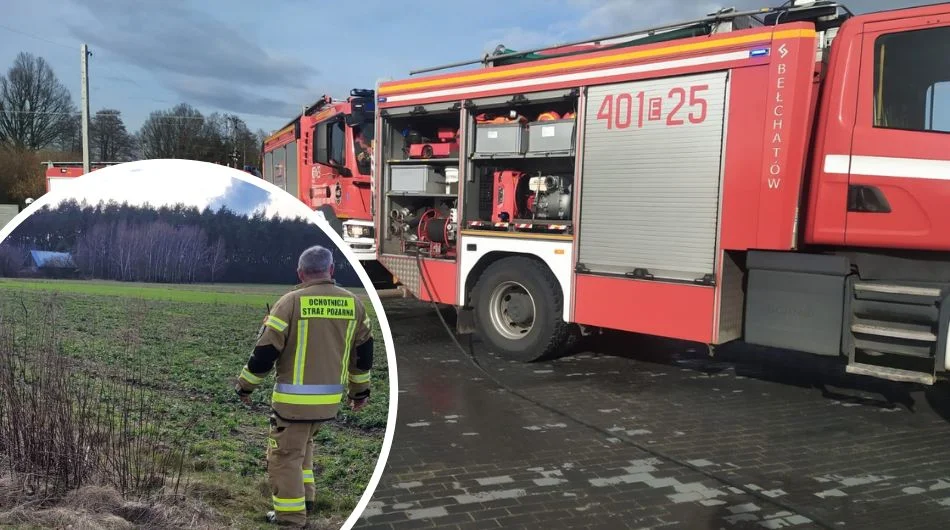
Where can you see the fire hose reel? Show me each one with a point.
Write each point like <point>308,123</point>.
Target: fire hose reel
<point>429,230</point>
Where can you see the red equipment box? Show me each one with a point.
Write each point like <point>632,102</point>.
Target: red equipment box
<point>447,146</point>
<point>434,150</point>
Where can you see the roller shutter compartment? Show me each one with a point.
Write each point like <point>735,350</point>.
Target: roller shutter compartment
<point>651,179</point>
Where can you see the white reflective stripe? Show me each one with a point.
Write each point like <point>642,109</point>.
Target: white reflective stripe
<point>308,390</point>
<point>838,164</point>
<point>884,166</point>
<point>577,76</point>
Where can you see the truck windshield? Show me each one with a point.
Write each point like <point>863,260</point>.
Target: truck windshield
<point>363,136</point>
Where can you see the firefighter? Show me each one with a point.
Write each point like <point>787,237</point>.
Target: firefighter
<point>364,153</point>
<point>318,337</point>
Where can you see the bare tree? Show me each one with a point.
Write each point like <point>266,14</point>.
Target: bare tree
<point>246,145</point>
<point>214,141</point>
<point>109,138</point>
<point>69,141</point>
<point>218,260</point>
<point>173,133</point>
<point>34,106</point>
<point>226,139</point>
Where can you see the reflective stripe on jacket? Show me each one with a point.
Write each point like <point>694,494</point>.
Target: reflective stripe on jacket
<point>316,328</point>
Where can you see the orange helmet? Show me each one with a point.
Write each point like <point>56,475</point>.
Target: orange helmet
<point>490,118</point>
<point>549,116</point>
<point>568,116</point>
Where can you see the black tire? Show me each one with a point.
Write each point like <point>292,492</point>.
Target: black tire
<point>331,218</point>
<point>549,335</point>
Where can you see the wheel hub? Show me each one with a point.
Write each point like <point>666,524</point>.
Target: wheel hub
<point>520,308</point>
<point>512,310</point>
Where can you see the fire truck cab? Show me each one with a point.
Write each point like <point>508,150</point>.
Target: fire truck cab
<point>324,158</point>
<point>777,176</point>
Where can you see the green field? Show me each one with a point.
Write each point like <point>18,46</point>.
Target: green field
<point>192,341</point>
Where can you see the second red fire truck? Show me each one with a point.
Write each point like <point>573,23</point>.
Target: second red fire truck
<point>778,176</point>
<point>324,158</point>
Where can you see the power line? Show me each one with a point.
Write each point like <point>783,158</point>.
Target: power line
<point>38,112</point>
<point>107,67</point>
<point>37,37</point>
<point>177,118</point>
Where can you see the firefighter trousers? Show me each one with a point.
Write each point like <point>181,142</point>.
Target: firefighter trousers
<point>290,468</point>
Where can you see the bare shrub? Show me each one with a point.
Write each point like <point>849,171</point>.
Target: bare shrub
<point>64,426</point>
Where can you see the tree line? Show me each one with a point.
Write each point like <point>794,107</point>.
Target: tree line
<point>169,244</point>
<point>39,121</point>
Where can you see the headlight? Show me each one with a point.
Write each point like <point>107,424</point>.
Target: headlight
<point>358,231</point>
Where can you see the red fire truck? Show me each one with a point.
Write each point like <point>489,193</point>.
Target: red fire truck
<point>324,158</point>
<point>61,172</point>
<point>777,176</point>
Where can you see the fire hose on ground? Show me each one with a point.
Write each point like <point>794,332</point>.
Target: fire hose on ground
<point>473,358</point>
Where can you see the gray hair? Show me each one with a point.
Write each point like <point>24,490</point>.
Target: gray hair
<point>315,260</point>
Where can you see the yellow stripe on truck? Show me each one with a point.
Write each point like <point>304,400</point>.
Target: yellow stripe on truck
<point>600,61</point>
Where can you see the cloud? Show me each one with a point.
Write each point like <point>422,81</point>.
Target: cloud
<point>195,54</point>
<point>248,199</point>
<point>583,19</point>
<point>600,17</point>
<point>230,96</point>
<point>242,198</point>
<point>615,16</point>
<point>518,38</point>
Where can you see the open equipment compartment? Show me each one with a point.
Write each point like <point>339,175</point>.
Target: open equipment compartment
<point>520,169</point>
<point>420,156</point>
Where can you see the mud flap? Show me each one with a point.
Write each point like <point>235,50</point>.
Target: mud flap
<point>465,322</point>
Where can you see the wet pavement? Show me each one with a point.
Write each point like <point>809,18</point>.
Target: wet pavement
<point>673,439</point>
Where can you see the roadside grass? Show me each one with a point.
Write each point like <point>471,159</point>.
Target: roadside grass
<point>190,342</point>
<point>248,294</point>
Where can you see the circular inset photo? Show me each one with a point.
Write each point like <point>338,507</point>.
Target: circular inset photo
<point>185,345</point>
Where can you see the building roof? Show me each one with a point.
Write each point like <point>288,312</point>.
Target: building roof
<point>43,258</point>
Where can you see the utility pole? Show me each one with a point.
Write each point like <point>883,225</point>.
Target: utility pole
<point>85,108</point>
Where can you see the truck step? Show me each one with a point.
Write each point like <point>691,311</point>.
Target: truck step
<point>891,374</point>
<point>891,346</point>
<point>886,288</point>
<point>882,330</point>
<point>911,314</point>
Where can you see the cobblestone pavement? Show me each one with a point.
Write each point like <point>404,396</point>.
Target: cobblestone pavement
<point>756,440</point>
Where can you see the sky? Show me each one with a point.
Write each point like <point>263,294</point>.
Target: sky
<point>169,182</point>
<point>265,61</point>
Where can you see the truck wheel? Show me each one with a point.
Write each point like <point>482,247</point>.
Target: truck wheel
<point>518,305</point>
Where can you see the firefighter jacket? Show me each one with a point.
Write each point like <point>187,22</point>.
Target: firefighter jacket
<point>315,333</point>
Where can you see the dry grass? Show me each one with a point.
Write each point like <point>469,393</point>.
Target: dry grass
<point>101,508</point>
<point>85,448</point>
